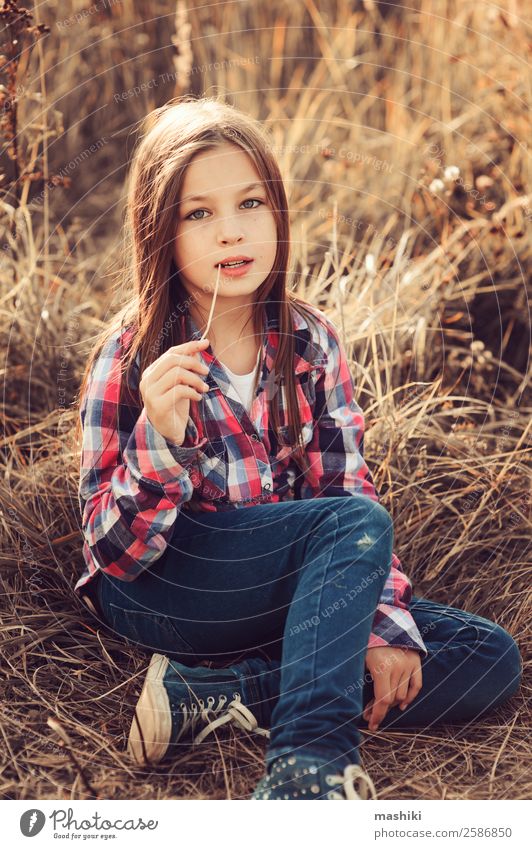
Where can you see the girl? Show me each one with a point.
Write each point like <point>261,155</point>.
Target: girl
<point>215,389</point>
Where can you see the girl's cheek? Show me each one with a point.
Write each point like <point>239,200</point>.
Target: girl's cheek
<point>196,247</point>
<point>188,240</point>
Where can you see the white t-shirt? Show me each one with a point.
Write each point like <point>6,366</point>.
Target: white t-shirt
<point>243,384</point>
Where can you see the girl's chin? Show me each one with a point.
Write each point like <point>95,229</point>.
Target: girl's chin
<point>235,285</point>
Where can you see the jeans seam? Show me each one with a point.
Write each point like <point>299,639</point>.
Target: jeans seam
<point>464,623</point>
<point>451,648</point>
<point>314,660</point>
<point>251,683</point>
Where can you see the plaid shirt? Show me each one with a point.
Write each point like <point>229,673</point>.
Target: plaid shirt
<point>131,492</point>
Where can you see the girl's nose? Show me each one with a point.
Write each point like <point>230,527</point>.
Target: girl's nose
<point>229,234</point>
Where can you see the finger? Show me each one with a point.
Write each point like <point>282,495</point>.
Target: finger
<point>402,687</point>
<point>390,698</point>
<point>415,684</point>
<point>178,375</point>
<point>170,360</point>
<point>184,358</point>
<point>383,700</point>
<point>395,680</point>
<point>186,354</point>
<point>367,710</point>
<point>191,345</point>
<point>167,401</point>
<point>189,361</point>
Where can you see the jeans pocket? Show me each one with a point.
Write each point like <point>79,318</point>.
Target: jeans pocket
<point>155,631</point>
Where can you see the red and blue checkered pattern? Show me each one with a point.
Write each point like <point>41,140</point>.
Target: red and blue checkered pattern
<point>134,482</point>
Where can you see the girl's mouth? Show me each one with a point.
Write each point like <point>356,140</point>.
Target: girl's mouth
<point>236,269</point>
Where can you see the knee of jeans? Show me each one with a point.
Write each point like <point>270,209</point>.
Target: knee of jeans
<point>379,526</point>
<point>505,662</point>
<point>369,512</point>
<point>368,523</point>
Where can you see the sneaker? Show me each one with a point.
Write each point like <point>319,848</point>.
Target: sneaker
<point>175,699</point>
<point>306,777</point>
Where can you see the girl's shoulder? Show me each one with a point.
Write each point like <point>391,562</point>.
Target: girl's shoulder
<point>118,342</point>
<point>108,363</point>
<point>320,330</point>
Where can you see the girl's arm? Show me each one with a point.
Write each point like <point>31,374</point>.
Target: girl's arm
<point>132,482</point>
<point>337,468</point>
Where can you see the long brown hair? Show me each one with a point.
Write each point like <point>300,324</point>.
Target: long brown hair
<point>170,136</point>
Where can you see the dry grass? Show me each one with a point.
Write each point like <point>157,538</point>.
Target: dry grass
<point>430,291</point>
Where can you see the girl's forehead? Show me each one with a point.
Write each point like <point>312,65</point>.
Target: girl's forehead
<point>229,166</point>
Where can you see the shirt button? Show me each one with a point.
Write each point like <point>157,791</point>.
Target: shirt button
<point>267,486</point>
<point>255,437</point>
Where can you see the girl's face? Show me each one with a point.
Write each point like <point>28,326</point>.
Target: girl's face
<point>232,218</point>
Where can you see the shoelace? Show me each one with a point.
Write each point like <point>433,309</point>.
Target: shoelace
<point>236,712</point>
<point>352,773</point>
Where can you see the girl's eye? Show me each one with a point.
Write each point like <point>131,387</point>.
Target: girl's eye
<point>252,200</point>
<point>248,200</point>
<point>194,213</point>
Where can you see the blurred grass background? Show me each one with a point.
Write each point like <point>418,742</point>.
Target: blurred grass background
<point>402,131</point>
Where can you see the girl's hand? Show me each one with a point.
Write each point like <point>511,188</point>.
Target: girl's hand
<point>169,384</point>
<point>397,679</point>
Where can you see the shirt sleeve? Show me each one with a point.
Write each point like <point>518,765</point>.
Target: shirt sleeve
<point>133,480</point>
<point>337,468</point>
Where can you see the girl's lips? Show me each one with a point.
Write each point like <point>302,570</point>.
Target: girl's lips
<point>237,270</point>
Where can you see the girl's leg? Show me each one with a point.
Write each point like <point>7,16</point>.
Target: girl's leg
<point>350,551</point>
<point>239,581</point>
<point>473,665</point>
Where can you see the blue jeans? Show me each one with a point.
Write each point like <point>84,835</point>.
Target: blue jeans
<point>250,586</point>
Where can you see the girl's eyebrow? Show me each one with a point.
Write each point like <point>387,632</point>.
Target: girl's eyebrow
<point>240,191</point>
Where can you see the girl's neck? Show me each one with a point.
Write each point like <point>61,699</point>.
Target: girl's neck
<point>227,327</point>
<point>241,357</point>
<point>234,343</point>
